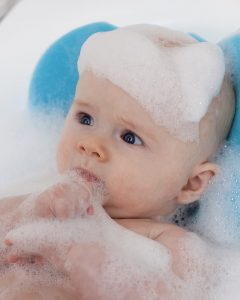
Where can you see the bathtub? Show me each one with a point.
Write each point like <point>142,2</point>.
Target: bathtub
<point>25,33</point>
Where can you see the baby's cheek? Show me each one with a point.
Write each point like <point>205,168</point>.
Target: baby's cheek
<point>62,156</point>
<point>121,194</point>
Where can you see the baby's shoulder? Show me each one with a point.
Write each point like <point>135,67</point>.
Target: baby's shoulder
<point>184,246</point>
<point>154,230</point>
<point>187,249</point>
<point>167,230</point>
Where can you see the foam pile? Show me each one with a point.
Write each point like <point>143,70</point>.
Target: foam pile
<point>164,76</point>
<point>132,260</point>
<point>126,250</point>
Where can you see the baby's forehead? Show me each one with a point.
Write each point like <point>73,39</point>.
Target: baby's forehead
<point>99,94</point>
<point>116,106</point>
<point>174,82</point>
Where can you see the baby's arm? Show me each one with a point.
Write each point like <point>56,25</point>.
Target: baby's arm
<point>7,205</point>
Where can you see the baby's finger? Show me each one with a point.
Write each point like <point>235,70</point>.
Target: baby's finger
<point>82,205</point>
<point>36,260</point>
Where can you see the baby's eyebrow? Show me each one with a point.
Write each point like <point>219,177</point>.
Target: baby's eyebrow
<point>129,123</point>
<point>80,102</point>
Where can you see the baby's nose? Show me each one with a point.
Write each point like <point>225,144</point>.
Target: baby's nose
<point>93,148</point>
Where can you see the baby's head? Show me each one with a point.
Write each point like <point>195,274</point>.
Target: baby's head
<point>151,108</point>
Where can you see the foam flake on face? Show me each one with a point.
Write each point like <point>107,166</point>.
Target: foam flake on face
<point>175,83</point>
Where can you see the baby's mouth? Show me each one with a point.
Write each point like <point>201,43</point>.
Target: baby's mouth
<point>86,175</point>
<point>96,185</point>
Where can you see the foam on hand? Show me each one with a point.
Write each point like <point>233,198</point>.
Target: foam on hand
<point>139,259</point>
<point>171,75</point>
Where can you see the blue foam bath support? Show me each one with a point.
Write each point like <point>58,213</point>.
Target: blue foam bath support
<point>231,48</point>
<point>55,76</point>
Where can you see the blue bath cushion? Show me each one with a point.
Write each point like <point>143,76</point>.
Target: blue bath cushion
<point>55,76</point>
<point>231,48</point>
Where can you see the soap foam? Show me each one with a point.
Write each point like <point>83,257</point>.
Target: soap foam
<point>171,75</point>
<point>134,263</point>
<point>140,260</point>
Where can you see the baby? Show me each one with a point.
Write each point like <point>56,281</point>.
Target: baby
<point>152,106</point>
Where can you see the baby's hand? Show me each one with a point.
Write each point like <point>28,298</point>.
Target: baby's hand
<point>64,200</point>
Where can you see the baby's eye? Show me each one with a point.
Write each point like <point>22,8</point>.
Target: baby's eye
<point>85,119</point>
<point>131,138</point>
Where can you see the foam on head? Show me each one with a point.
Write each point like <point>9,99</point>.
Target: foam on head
<point>171,75</point>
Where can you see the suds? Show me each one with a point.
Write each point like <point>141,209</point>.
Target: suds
<point>164,80</point>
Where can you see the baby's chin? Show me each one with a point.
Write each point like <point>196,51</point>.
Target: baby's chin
<point>123,213</point>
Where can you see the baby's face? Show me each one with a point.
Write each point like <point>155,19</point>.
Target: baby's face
<point>110,135</point>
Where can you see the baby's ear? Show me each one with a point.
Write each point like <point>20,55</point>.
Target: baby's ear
<point>197,182</point>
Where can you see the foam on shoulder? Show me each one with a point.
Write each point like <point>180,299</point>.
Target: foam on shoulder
<point>167,72</point>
